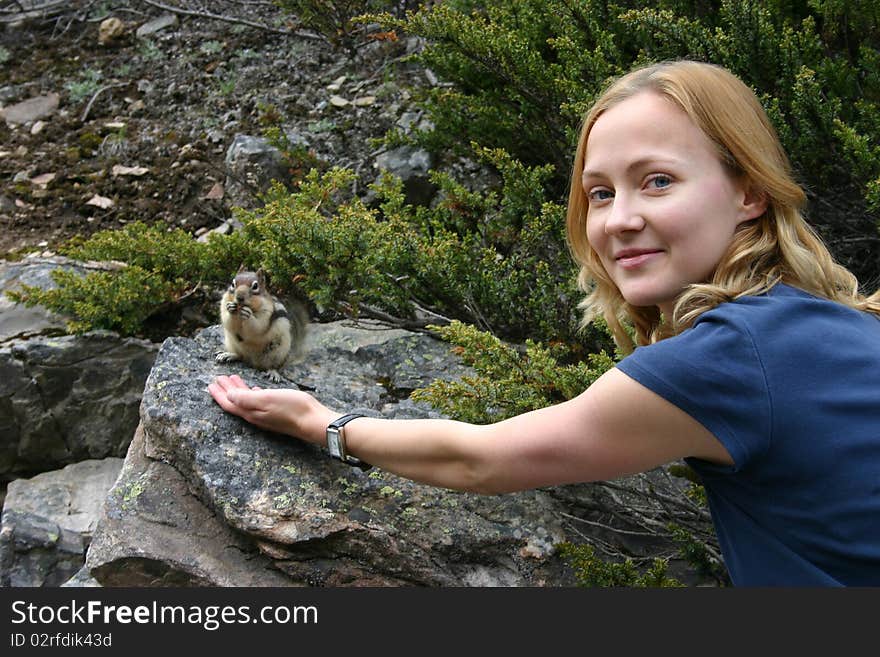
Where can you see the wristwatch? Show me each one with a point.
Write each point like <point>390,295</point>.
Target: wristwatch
<point>336,442</point>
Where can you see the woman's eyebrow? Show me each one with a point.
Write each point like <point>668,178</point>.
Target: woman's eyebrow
<point>642,162</point>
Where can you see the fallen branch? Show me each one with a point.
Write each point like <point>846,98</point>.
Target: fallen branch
<point>88,108</point>
<point>231,19</point>
<point>11,15</point>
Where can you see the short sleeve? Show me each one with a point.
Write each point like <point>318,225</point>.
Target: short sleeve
<point>713,372</point>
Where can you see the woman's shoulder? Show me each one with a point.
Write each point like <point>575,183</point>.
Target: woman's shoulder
<point>788,325</point>
<point>785,306</point>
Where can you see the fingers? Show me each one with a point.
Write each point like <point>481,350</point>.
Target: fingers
<point>237,381</point>
<point>227,392</point>
<point>235,396</point>
<point>218,392</point>
<point>232,382</point>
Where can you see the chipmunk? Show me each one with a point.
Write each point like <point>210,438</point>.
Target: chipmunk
<point>257,327</point>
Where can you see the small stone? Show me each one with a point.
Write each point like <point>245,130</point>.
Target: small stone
<point>38,127</point>
<point>100,202</point>
<point>120,170</point>
<point>364,101</point>
<point>215,193</point>
<point>31,109</point>
<point>339,101</point>
<point>110,30</point>
<point>155,25</point>
<point>43,180</point>
<point>336,85</point>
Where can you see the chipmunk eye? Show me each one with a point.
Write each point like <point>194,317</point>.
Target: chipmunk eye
<point>255,287</point>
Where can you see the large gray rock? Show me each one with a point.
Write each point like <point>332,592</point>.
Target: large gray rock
<point>69,398</point>
<point>154,532</point>
<point>205,499</point>
<point>412,165</point>
<point>252,163</point>
<point>315,520</point>
<point>62,399</point>
<point>48,522</point>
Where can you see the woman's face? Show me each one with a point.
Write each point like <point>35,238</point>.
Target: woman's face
<point>662,209</point>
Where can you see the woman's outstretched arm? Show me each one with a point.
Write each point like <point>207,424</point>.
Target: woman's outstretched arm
<point>614,428</point>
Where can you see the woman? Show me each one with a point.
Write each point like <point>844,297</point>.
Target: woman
<point>758,360</point>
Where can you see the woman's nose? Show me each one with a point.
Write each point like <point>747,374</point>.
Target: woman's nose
<point>624,215</point>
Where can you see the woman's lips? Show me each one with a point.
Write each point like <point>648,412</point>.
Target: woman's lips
<point>633,258</point>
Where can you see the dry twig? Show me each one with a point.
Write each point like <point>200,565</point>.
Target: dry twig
<point>184,11</point>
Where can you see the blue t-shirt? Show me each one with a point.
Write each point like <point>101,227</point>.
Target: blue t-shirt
<point>790,385</point>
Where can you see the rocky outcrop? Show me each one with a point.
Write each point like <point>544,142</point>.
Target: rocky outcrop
<point>206,499</point>
<point>412,165</point>
<point>154,532</point>
<point>69,398</point>
<point>252,163</point>
<point>48,522</point>
<point>63,398</point>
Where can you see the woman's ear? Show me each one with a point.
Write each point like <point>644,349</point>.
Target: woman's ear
<point>754,203</point>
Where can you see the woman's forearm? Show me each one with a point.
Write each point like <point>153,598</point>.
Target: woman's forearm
<point>442,453</point>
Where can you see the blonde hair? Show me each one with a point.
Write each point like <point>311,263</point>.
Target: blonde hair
<point>777,246</point>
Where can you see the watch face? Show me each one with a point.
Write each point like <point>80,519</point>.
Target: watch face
<point>333,442</point>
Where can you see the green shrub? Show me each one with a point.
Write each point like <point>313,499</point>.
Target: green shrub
<point>86,86</point>
<point>508,381</point>
<point>494,260</point>
<point>465,259</point>
<point>102,300</point>
<point>158,267</point>
<point>591,571</point>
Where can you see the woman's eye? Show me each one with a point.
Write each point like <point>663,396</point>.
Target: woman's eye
<point>660,181</point>
<point>597,195</point>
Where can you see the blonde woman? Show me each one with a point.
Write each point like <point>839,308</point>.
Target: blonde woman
<point>758,360</point>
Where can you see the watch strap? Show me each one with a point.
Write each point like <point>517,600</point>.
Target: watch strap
<point>345,419</point>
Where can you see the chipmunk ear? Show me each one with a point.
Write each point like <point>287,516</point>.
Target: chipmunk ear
<point>241,268</point>
<point>261,277</point>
